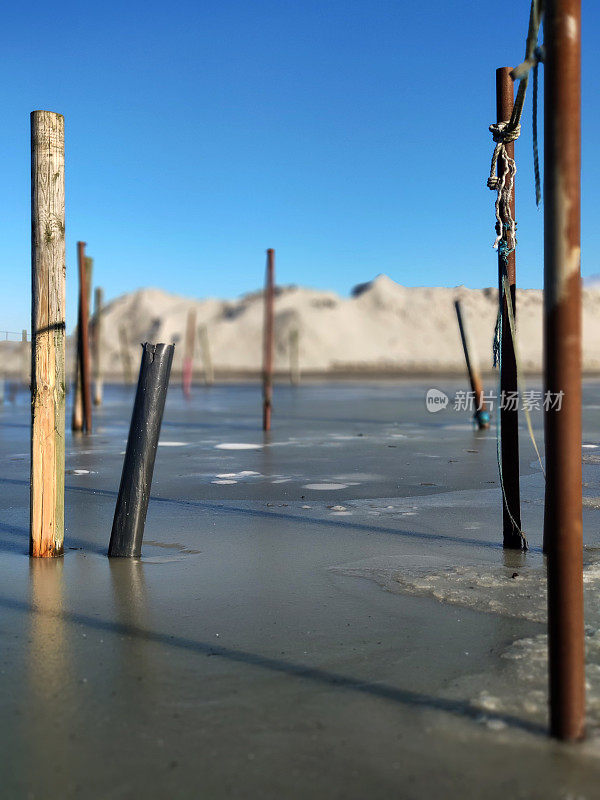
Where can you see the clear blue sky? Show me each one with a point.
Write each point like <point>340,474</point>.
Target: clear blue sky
<point>350,135</point>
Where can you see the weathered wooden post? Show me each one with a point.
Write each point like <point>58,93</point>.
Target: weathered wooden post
<point>97,339</point>
<point>294,357</point>
<point>125,355</point>
<point>481,415</point>
<point>209,375</point>
<point>47,489</point>
<point>268,343</point>
<point>188,357</point>
<point>138,465</point>
<point>509,414</point>
<point>563,537</point>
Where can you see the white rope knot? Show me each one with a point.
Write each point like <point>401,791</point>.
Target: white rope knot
<point>502,134</point>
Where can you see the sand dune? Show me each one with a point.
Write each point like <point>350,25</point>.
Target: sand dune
<point>382,327</point>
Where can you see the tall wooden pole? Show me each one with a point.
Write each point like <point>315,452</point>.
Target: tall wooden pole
<point>481,415</point>
<point>188,356</point>
<point>563,536</point>
<point>509,415</point>
<point>47,491</point>
<point>97,339</point>
<point>269,331</point>
<point>209,376</point>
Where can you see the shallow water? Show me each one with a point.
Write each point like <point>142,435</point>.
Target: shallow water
<point>325,611</point>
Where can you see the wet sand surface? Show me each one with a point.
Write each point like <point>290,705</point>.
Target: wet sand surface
<point>322,612</point>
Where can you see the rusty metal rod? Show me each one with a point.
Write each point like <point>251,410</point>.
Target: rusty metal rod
<point>481,415</point>
<point>269,330</point>
<point>77,419</point>
<point>84,341</point>
<point>509,414</point>
<point>563,537</point>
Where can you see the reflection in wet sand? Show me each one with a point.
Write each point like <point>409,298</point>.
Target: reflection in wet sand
<point>134,667</point>
<point>49,669</point>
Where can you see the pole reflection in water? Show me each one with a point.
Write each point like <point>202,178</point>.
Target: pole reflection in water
<point>134,667</point>
<point>47,716</point>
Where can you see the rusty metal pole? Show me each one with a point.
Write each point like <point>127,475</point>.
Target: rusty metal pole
<point>84,342</point>
<point>77,419</point>
<point>481,415</point>
<point>563,537</point>
<point>509,414</point>
<point>269,330</point>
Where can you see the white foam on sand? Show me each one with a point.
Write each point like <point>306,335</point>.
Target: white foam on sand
<point>237,446</point>
<point>245,473</point>
<point>224,482</point>
<point>326,487</point>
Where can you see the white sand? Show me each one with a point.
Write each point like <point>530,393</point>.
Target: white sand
<point>382,327</point>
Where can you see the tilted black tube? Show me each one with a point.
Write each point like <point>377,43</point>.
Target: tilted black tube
<point>138,466</point>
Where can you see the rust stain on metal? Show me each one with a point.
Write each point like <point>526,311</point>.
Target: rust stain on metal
<point>563,535</point>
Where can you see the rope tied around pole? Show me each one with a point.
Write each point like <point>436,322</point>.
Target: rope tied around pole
<point>502,134</point>
<point>510,130</point>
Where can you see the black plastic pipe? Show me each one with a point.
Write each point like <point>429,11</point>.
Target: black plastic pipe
<point>138,466</point>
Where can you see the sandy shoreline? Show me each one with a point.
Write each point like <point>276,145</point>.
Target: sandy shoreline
<point>255,650</point>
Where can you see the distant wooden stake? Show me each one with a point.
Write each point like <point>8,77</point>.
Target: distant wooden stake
<point>125,355</point>
<point>47,487</point>
<point>294,357</point>
<point>25,359</point>
<point>269,330</point>
<point>481,414</point>
<point>84,341</point>
<point>188,355</point>
<point>209,376</point>
<point>78,421</point>
<point>97,340</point>
<point>77,418</point>
<point>77,412</point>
